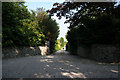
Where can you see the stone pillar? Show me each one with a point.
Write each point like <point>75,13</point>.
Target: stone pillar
<point>47,45</point>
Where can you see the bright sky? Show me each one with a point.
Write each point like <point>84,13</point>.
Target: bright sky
<point>48,5</point>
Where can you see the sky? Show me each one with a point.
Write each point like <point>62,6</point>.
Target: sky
<point>48,5</point>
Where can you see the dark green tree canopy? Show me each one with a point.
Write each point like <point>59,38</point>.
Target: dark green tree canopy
<point>75,12</point>
<point>20,27</point>
<point>48,26</point>
<point>12,13</point>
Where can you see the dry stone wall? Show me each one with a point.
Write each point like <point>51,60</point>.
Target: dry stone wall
<point>83,52</point>
<point>103,53</point>
<point>17,51</point>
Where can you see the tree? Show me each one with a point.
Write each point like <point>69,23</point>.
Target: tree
<point>90,22</point>
<point>49,27</point>
<point>75,12</point>
<point>88,16</point>
<point>57,45</point>
<point>20,27</point>
<point>12,13</point>
<point>62,42</point>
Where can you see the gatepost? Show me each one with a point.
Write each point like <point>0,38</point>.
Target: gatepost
<point>47,44</point>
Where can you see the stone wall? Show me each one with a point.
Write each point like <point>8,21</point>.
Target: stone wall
<point>11,52</point>
<point>103,53</point>
<point>83,52</point>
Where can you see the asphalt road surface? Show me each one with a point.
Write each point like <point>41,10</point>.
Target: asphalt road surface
<point>59,65</point>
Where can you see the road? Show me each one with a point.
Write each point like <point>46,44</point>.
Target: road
<point>59,65</point>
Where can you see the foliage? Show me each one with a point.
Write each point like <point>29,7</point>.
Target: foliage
<point>75,12</point>
<point>72,41</point>
<point>49,27</point>
<point>12,13</point>
<point>57,45</point>
<point>62,42</point>
<point>90,23</point>
<point>19,26</point>
<point>31,33</point>
<point>67,47</point>
<point>102,30</point>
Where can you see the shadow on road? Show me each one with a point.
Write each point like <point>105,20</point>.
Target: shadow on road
<point>60,65</point>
